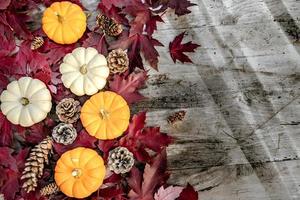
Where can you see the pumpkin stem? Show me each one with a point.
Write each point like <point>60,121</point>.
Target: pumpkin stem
<point>83,69</point>
<point>24,101</point>
<point>104,114</point>
<point>76,173</point>
<point>60,18</point>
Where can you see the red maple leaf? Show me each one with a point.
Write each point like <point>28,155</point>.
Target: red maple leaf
<point>136,44</point>
<point>188,193</point>
<point>180,6</point>
<point>83,140</point>
<point>11,185</point>
<point>139,139</point>
<point>4,4</point>
<point>54,52</point>
<point>31,63</point>
<point>6,133</point>
<point>128,86</point>
<point>154,176</point>
<point>177,49</point>
<point>97,41</point>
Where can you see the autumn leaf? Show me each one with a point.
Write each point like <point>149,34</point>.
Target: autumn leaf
<point>154,176</point>
<point>169,193</point>
<point>4,4</point>
<point>97,41</point>
<point>6,134</point>
<point>83,140</point>
<point>180,6</point>
<point>128,86</point>
<point>11,185</point>
<point>177,49</point>
<point>139,139</point>
<point>188,193</point>
<point>136,44</point>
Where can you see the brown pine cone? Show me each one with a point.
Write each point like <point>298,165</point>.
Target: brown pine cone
<point>109,26</point>
<point>64,133</point>
<point>68,110</point>
<point>36,43</point>
<point>49,189</point>
<point>34,165</point>
<point>120,160</point>
<point>118,61</point>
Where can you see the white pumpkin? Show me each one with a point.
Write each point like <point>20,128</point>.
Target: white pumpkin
<point>84,71</point>
<point>26,101</point>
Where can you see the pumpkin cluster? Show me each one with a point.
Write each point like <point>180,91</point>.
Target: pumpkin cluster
<point>66,81</point>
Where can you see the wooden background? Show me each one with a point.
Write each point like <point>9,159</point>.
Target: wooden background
<point>240,137</point>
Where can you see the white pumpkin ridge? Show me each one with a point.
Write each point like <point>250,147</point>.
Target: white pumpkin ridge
<point>84,71</point>
<point>26,101</point>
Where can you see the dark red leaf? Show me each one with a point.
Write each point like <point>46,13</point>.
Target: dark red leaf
<point>54,52</point>
<point>105,146</point>
<point>180,6</point>
<point>37,133</point>
<point>135,180</point>
<point>7,160</point>
<point>188,193</point>
<point>21,157</point>
<point>83,140</point>
<point>137,123</point>
<point>97,41</point>
<point>4,4</point>
<point>154,176</point>
<point>128,87</point>
<point>177,49</point>
<point>6,133</point>
<point>3,82</point>
<point>11,185</point>
<point>136,44</point>
<point>153,139</point>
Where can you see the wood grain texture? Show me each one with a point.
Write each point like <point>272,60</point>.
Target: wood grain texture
<point>240,138</point>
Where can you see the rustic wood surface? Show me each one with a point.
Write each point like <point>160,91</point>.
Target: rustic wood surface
<point>240,138</point>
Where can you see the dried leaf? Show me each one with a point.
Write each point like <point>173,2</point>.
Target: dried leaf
<point>169,193</point>
<point>128,86</point>
<point>180,6</point>
<point>177,49</point>
<point>188,193</point>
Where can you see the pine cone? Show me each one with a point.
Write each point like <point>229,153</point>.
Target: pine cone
<point>64,133</point>
<point>120,160</point>
<point>68,110</point>
<point>34,165</point>
<point>117,61</point>
<point>49,189</point>
<point>109,26</point>
<point>36,43</point>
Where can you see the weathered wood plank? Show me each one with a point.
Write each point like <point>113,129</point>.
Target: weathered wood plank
<point>240,137</point>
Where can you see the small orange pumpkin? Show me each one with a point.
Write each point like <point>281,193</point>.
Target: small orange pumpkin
<point>79,172</point>
<point>64,22</point>
<point>105,115</point>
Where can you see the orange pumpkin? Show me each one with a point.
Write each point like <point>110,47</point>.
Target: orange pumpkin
<point>105,115</point>
<point>79,172</point>
<point>64,22</point>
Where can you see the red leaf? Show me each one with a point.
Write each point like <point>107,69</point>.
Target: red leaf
<point>154,176</point>
<point>7,42</point>
<point>180,6</point>
<point>32,63</point>
<point>21,157</point>
<point>37,133</point>
<point>137,123</point>
<point>3,82</point>
<point>6,134</point>
<point>7,160</point>
<point>54,52</point>
<point>139,139</point>
<point>105,146</point>
<point>136,44</point>
<point>128,86</point>
<point>83,140</point>
<point>11,185</point>
<point>97,41</point>
<point>177,49</point>
<point>188,193</point>
<point>4,4</point>
<point>150,137</point>
<point>169,193</point>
